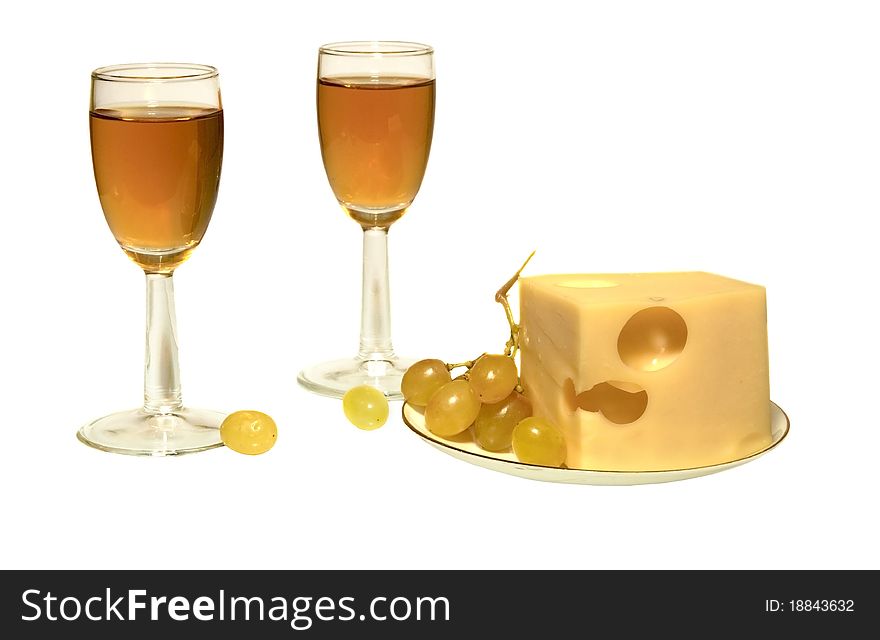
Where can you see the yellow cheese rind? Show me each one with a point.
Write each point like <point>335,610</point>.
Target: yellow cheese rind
<point>709,405</point>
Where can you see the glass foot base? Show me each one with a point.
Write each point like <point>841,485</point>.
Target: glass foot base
<point>138,433</point>
<point>335,378</point>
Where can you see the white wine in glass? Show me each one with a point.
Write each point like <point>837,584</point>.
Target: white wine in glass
<point>157,148</point>
<point>375,123</point>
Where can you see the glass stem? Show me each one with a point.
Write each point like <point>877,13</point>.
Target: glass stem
<point>376,300</point>
<point>161,371</point>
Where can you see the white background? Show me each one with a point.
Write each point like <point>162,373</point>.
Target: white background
<point>736,137</point>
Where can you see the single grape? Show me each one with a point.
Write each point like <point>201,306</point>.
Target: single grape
<point>539,441</point>
<point>493,428</point>
<point>422,379</point>
<point>250,432</point>
<point>452,408</point>
<point>365,407</point>
<point>493,377</point>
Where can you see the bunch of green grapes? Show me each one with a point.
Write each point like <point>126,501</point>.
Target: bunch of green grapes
<point>487,399</point>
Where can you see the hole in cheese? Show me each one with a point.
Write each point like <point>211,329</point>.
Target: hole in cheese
<point>587,284</point>
<point>620,402</point>
<point>652,339</point>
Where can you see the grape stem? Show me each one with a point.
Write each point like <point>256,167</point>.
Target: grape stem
<point>467,364</point>
<point>512,345</point>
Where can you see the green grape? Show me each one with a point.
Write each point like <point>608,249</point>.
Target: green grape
<point>493,377</point>
<point>452,408</point>
<point>365,407</point>
<point>422,379</point>
<point>539,441</point>
<point>250,432</point>
<point>495,422</point>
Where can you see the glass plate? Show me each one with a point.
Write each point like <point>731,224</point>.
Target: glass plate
<point>507,463</point>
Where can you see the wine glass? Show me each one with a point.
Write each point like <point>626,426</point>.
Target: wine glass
<point>375,124</point>
<point>157,147</point>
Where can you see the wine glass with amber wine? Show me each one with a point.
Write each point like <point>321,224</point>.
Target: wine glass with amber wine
<point>375,123</point>
<point>157,146</point>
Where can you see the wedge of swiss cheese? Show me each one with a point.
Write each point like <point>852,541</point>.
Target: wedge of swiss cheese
<point>647,371</point>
